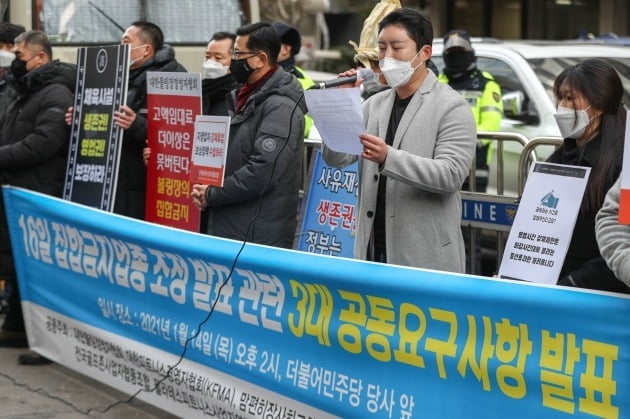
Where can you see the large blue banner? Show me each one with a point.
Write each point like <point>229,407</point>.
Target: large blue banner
<point>294,334</point>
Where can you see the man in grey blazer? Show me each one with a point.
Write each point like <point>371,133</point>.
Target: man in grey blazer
<point>417,152</point>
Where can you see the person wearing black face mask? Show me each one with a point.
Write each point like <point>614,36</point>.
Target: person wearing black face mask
<point>264,158</point>
<point>480,90</point>
<point>33,148</point>
<point>8,32</point>
<point>483,94</point>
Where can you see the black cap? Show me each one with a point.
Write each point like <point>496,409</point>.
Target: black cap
<point>9,31</point>
<point>289,36</point>
<point>457,38</point>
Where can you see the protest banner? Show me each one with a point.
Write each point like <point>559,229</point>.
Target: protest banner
<point>96,142</point>
<point>173,102</point>
<point>295,334</point>
<point>210,147</point>
<point>543,226</point>
<point>329,211</point>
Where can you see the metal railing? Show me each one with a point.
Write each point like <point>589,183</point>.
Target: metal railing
<point>525,159</point>
<point>476,232</point>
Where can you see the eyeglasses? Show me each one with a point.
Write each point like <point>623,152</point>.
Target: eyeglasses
<point>237,54</point>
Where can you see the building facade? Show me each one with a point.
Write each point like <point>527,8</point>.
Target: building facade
<point>530,19</point>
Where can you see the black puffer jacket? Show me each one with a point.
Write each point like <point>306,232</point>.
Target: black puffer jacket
<point>34,139</point>
<point>214,94</point>
<point>263,166</point>
<point>130,192</point>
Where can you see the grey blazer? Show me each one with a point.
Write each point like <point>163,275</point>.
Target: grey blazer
<point>425,168</point>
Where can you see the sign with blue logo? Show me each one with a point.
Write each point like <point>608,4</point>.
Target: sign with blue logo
<point>542,231</point>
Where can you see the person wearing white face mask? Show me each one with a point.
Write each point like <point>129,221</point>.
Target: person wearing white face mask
<point>417,152</point>
<point>217,80</point>
<point>148,53</point>
<point>591,118</point>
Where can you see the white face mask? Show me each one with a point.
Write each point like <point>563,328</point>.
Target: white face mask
<point>6,57</point>
<point>132,61</point>
<point>213,69</point>
<point>396,72</point>
<point>572,123</point>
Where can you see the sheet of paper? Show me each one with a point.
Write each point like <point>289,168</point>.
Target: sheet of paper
<point>209,150</point>
<point>338,117</point>
<point>543,226</point>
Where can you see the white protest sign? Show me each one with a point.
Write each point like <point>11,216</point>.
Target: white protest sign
<point>624,193</point>
<point>543,226</point>
<point>209,151</point>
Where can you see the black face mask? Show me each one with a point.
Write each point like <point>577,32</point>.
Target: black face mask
<point>241,70</point>
<point>18,68</point>
<point>457,62</point>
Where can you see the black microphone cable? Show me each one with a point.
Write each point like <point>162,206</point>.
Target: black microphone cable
<point>205,320</point>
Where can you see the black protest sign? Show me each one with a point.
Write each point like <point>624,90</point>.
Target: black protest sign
<point>95,142</point>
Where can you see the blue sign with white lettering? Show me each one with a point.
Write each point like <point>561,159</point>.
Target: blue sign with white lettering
<point>329,216</point>
<point>209,327</point>
<point>492,212</point>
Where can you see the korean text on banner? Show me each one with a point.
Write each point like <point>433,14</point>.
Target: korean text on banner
<point>173,102</point>
<point>210,145</point>
<point>295,334</point>
<point>329,213</point>
<point>96,142</point>
<point>543,226</point>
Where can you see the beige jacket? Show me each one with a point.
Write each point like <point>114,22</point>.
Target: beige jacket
<point>425,168</point>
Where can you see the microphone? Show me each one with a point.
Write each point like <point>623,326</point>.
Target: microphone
<point>367,75</point>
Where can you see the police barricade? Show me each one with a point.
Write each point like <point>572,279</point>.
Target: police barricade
<point>488,215</point>
<point>525,158</point>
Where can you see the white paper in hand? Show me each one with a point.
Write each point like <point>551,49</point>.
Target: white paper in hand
<point>338,117</point>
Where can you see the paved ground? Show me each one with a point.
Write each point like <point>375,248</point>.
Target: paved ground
<point>53,391</point>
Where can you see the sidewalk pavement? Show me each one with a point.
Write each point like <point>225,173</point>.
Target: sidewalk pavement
<point>54,391</point>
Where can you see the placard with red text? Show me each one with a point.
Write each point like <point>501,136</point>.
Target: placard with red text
<point>173,102</point>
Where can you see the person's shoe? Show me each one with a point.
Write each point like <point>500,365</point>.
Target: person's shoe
<point>32,358</point>
<point>11,339</point>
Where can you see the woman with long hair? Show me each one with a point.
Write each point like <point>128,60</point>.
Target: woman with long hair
<point>592,119</point>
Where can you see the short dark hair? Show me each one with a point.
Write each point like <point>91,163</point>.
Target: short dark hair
<point>150,33</point>
<point>9,31</point>
<point>36,38</point>
<point>418,27</point>
<point>220,36</point>
<point>262,37</point>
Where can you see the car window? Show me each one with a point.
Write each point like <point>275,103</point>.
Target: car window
<point>548,68</point>
<point>505,76</point>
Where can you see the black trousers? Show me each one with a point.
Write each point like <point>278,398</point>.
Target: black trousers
<point>14,320</point>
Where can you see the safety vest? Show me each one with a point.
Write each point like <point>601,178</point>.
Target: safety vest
<point>305,82</point>
<point>483,94</point>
